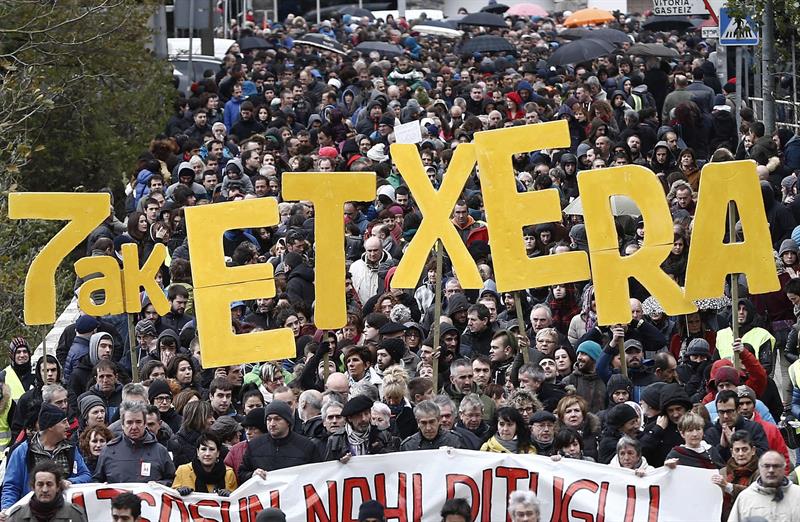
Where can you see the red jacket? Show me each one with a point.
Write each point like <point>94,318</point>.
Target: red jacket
<point>774,439</point>
<point>756,375</point>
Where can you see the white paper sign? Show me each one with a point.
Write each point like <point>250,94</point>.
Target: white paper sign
<point>408,133</point>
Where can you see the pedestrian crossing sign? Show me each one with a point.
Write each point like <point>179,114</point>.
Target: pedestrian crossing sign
<point>736,31</point>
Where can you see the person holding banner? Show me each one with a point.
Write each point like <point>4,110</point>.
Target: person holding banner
<point>206,472</point>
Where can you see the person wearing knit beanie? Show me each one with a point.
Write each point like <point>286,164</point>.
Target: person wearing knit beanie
<point>371,511</point>
<point>590,348</point>
<point>390,352</point>
<point>85,405</point>
<point>50,415</point>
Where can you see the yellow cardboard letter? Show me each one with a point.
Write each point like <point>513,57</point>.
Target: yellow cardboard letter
<point>609,269</point>
<point>109,282</point>
<point>329,191</point>
<point>709,259</point>
<point>508,211</point>
<point>436,207</point>
<point>134,278</point>
<point>84,213</point>
<point>216,286</point>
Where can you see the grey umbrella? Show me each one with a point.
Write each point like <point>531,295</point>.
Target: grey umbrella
<point>652,49</point>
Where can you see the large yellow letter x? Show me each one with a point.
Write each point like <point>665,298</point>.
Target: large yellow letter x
<point>436,207</point>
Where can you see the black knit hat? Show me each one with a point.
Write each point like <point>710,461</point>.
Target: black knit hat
<point>50,415</point>
<point>281,409</point>
<point>156,388</point>
<point>620,414</point>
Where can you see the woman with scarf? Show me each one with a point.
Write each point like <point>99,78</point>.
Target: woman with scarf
<point>564,305</point>
<point>586,320</point>
<point>206,472</point>
<point>695,452</point>
<point>675,263</point>
<point>739,473</point>
<point>510,433</point>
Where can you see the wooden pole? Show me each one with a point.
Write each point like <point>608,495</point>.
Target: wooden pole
<point>623,364</point>
<point>327,357</point>
<point>437,315</point>
<point>134,349</point>
<point>526,354</point>
<point>734,284</point>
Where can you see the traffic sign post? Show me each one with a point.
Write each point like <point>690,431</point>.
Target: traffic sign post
<point>736,31</point>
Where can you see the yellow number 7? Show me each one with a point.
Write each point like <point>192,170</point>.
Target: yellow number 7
<point>84,213</point>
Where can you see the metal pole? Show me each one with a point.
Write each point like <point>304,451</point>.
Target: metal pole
<point>738,87</point>
<point>768,58</point>
<point>437,315</point>
<point>191,40</point>
<point>401,8</point>
<point>526,354</point>
<point>319,16</point>
<point>134,350</point>
<point>734,283</point>
<point>225,18</point>
<point>275,18</point>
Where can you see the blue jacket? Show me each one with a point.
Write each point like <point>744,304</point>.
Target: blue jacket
<point>791,153</point>
<point>16,484</point>
<point>230,115</point>
<point>78,349</point>
<point>141,190</point>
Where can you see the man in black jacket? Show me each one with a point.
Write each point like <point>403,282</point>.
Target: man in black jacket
<point>729,421</point>
<point>279,448</point>
<point>299,279</point>
<point>358,437</point>
<point>431,434</point>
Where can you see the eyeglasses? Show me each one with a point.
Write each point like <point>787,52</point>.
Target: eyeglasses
<point>163,398</point>
<point>726,412</point>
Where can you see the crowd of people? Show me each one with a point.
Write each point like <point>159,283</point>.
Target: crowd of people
<point>547,382</point>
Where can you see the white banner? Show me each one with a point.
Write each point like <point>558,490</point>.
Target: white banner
<point>414,485</point>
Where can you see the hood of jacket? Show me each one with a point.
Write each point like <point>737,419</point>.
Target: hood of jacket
<point>94,344</point>
<point>38,372</point>
<point>302,271</point>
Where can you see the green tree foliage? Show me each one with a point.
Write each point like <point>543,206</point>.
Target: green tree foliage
<point>80,99</point>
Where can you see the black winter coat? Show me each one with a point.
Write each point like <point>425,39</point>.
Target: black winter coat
<point>264,452</point>
<point>443,438</point>
<point>183,446</point>
<point>300,284</point>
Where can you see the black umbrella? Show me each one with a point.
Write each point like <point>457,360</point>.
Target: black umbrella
<point>248,43</point>
<point>580,51</point>
<point>447,24</point>
<point>486,44</point>
<point>321,41</point>
<point>603,33</point>
<point>652,49</point>
<point>494,8</point>
<point>334,10</point>
<point>382,48</point>
<point>357,11</point>
<point>667,23</point>
<point>483,20</point>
